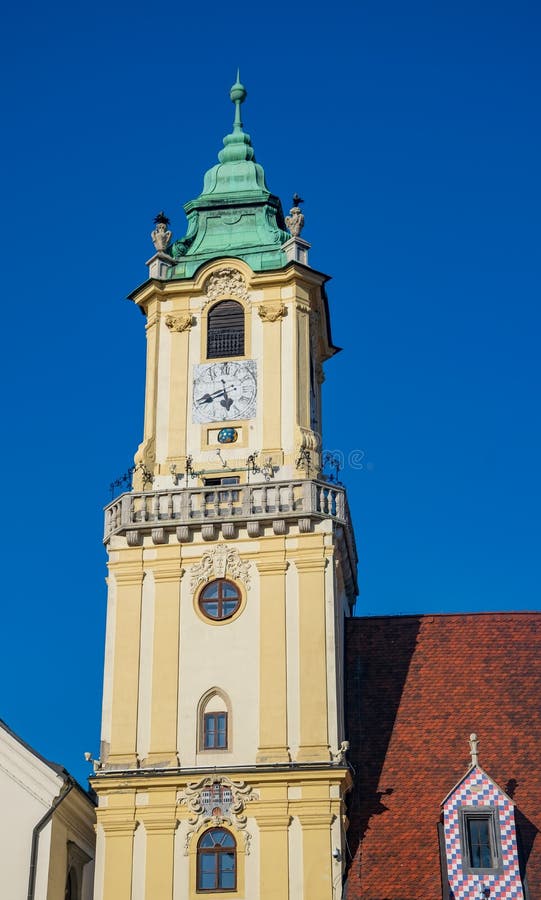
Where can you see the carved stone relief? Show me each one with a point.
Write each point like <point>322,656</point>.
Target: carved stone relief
<point>217,801</point>
<point>272,313</point>
<point>219,562</point>
<point>179,323</point>
<point>226,282</point>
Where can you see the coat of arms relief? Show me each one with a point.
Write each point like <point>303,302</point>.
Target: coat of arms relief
<point>217,801</point>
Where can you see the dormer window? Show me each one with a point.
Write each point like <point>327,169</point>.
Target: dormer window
<point>225,330</point>
<point>480,839</point>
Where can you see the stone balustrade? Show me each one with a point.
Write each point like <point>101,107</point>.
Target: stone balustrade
<point>224,507</point>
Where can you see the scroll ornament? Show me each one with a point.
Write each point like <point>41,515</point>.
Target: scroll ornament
<point>218,562</point>
<point>226,282</point>
<point>217,801</point>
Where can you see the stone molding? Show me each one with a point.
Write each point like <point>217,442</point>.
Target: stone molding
<point>272,566</point>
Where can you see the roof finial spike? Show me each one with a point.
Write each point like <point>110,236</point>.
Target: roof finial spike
<point>238,94</point>
<point>474,749</point>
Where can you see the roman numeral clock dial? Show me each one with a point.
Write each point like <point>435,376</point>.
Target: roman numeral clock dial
<point>224,391</point>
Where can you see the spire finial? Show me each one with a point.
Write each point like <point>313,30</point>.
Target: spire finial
<point>474,749</point>
<point>238,94</point>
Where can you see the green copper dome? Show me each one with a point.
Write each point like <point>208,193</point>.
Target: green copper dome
<point>236,215</point>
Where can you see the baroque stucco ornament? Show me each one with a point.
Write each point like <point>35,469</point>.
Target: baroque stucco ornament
<point>179,323</point>
<point>269,313</point>
<point>217,801</point>
<point>226,282</point>
<point>219,562</point>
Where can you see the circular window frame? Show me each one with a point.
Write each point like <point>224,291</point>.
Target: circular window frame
<point>211,620</point>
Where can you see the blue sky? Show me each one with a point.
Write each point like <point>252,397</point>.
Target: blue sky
<point>413,133</point>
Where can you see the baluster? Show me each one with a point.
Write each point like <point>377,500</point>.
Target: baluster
<point>169,505</point>
<point>191,509</point>
<point>229,504</point>
<point>155,508</point>
<point>340,511</point>
<point>290,497</point>
<point>264,507</point>
<point>332,497</point>
<point>322,504</point>
<point>184,505</point>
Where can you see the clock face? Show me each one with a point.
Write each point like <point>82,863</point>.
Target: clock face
<point>223,391</point>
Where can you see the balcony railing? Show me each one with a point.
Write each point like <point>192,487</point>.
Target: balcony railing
<point>248,502</point>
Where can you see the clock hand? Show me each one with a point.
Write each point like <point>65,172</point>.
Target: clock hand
<point>227,402</point>
<point>208,398</point>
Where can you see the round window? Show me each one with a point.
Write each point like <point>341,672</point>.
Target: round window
<point>220,599</point>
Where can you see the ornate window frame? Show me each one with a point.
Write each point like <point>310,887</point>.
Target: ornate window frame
<point>226,283</point>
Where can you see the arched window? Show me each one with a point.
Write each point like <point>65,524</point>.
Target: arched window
<point>216,861</point>
<point>214,721</point>
<point>225,330</point>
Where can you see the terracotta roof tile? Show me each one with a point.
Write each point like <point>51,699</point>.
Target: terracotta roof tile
<point>417,687</point>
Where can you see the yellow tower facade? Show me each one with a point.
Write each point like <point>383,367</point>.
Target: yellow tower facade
<point>231,571</point>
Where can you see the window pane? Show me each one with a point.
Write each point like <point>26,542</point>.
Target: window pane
<point>211,590</point>
<point>208,862</point>
<point>229,607</point>
<point>227,881</point>
<point>479,840</point>
<point>229,590</point>
<point>227,870</point>
<point>206,840</point>
<point>207,881</point>
<point>210,607</point>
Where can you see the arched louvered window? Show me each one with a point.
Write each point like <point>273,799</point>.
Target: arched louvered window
<point>225,332</point>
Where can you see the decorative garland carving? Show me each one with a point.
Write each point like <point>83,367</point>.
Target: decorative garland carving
<point>226,282</point>
<point>179,323</point>
<point>217,801</point>
<point>272,313</point>
<point>218,562</point>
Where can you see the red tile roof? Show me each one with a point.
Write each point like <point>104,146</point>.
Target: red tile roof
<point>417,686</point>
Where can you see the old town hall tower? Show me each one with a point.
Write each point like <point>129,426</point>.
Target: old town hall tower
<point>232,567</point>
